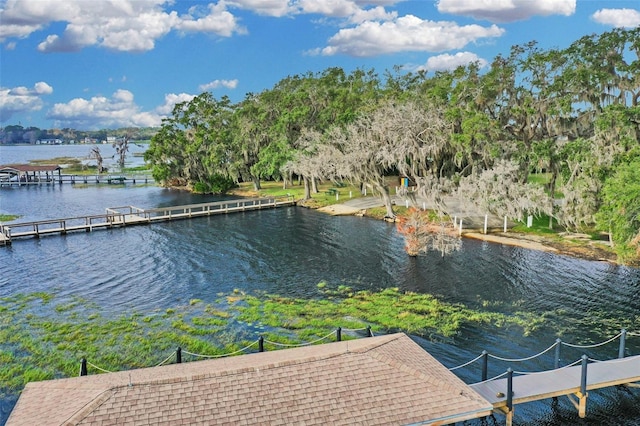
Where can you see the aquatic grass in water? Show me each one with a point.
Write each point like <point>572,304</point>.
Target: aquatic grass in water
<point>43,337</point>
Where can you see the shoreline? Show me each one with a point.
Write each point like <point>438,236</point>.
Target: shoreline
<point>586,251</point>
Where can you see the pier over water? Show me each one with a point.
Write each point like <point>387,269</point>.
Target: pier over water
<point>130,215</point>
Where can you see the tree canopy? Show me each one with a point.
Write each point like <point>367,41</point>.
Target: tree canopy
<point>571,114</point>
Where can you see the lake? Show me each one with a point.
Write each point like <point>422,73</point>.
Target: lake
<point>289,251</point>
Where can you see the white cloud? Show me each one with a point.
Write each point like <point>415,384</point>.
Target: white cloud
<point>619,18</point>
<point>125,25</point>
<point>170,102</point>
<point>331,8</point>
<point>450,62</point>
<point>407,33</point>
<point>119,110</point>
<point>22,99</point>
<point>276,8</point>
<point>229,84</point>
<point>507,10</point>
<point>218,21</point>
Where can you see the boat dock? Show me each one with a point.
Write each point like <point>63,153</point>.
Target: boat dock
<point>110,179</point>
<point>574,380</point>
<point>130,215</point>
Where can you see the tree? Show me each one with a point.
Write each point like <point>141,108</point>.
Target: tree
<point>95,154</point>
<point>500,191</point>
<point>423,232</point>
<point>620,211</point>
<point>122,147</point>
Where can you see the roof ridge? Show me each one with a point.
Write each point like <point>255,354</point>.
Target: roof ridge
<point>91,406</point>
<point>407,368</point>
<point>362,346</point>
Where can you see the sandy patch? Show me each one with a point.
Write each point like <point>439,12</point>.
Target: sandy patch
<point>534,245</point>
<point>339,210</point>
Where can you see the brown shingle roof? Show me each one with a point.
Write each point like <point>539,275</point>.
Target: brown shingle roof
<point>378,380</point>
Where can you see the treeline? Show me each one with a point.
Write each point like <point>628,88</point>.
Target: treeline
<point>16,134</point>
<point>571,114</point>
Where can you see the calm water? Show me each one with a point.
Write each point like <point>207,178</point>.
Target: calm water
<point>289,251</point>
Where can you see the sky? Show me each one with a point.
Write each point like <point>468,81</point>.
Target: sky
<point>105,64</point>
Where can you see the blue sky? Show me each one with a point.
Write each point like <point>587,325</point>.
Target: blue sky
<point>95,64</point>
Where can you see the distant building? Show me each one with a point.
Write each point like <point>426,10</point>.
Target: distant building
<point>49,142</point>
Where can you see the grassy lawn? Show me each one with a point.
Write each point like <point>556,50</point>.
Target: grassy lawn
<point>323,198</point>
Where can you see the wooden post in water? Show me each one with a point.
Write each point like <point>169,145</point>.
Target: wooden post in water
<point>261,344</point>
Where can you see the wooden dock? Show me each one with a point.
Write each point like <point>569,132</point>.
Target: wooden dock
<point>130,215</point>
<point>570,381</point>
<point>110,179</point>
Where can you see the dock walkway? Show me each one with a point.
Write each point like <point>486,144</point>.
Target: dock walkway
<point>565,381</point>
<point>110,179</point>
<point>130,215</point>
<point>574,380</point>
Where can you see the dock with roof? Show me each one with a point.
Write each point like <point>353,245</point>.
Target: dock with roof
<point>375,381</point>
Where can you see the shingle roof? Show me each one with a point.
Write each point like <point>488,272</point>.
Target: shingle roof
<point>378,380</point>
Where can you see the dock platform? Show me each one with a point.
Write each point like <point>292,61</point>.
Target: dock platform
<point>130,215</point>
<point>566,381</point>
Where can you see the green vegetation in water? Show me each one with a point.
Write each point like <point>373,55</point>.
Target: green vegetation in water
<point>8,217</point>
<point>44,337</point>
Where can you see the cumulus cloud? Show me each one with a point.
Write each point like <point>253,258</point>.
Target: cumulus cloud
<point>216,20</point>
<point>407,33</point>
<point>125,25</point>
<point>619,18</point>
<point>119,110</point>
<point>450,62</point>
<point>170,101</point>
<point>507,10</point>
<point>22,99</point>
<point>215,84</point>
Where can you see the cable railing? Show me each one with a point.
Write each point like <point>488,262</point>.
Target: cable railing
<point>557,345</point>
<point>260,342</point>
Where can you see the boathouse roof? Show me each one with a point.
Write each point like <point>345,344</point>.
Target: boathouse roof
<point>28,168</point>
<point>378,380</point>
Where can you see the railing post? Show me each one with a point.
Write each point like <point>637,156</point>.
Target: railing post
<point>583,376</point>
<point>83,367</point>
<point>179,355</point>
<point>623,338</point>
<point>485,365</point>
<point>509,396</point>
<point>261,344</point>
<point>369,333</point>
<point>556,364</point>
<point>582,406</point>
<point>338,334</point>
